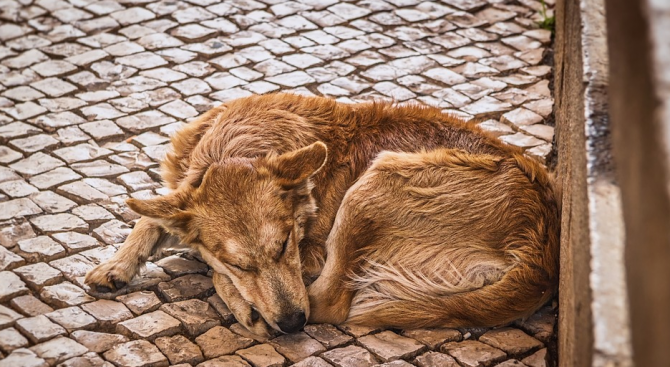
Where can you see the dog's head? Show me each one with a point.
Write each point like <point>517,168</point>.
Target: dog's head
<point>247,216</point>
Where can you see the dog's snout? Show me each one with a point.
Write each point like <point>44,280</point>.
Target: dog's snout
<point>293,322</point>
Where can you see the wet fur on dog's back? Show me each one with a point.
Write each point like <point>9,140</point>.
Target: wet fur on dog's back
<point>393,215</point>
<point>514,234</point>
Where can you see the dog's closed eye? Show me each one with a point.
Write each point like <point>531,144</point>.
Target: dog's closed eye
<point>284,246</point>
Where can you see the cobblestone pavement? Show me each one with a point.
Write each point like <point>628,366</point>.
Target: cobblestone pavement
<point>90,92</point>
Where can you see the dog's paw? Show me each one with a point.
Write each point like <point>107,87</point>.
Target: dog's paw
<point>109,277</point>
<point>262,329</point>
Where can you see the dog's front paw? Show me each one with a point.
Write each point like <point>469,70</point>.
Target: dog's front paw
<point>109,276</point>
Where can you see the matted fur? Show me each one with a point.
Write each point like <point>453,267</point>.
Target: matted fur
<point>400,215</point>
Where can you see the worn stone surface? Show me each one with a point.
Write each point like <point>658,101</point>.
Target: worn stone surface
<point>138,353</point>
<point>350,356</point>
<point>107,312</point>
<point>220,341</point>
<point>297,347</point>
<point>435,359</point>
<point>262,355</point>
<point>58,350</point>
<point>195,315</point>
<point>39,328</point>
<point>433,338</point>
<point>178,349</point>
<point>140,302</point>
<point>511,341</point>
<point>389,346</point>
<point>72,318</point>
<point>97,342</point>
<point>149,326</point>
<point>473,353</point>
<point>91,91</point>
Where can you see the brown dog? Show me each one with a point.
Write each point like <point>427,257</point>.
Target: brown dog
<point>401,216</point>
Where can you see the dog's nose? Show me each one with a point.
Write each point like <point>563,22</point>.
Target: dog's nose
<point>293,322</point>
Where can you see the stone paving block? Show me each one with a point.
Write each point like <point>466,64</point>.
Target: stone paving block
<point>24,358</point>
<point>39,328</point>
<point>11,339</point>
<point>219,341</point>
<point>73,266</point>
<point>397,363</point>
<point>187,286</point>
<point>195,315</point>
<point>93,214</point>
<point>313,362</point>
<point>51,202</point>
<point>328,335</point>
<point>12,286</point>
<point>511,363</point>
<point>262,355</point>
<point>473,353</point>
<point>108,313</point>
<point>140,302</point>
<point>64,294</point>
<point>8,155</point>
<point>297,346</point>
<point>435,359</point>
<point>225,361</point>
<point>511,341</point>
<point>178,349</point>
<point>34,143</point>
<point>149,326</point>
<point>357,330</point>
<point>17,188</point>
<point>8,316</point>
<point>97,342</point>
<point>352,355</point>
<point>9,260</point>
<point>72,318</point>
<point>18,208</point>
<point>177,266</point>
<point>55,177</point>
<point>138,353</point>
<point>389,346</point>
<point>29,305</point>
<point>59,222</point>
<point>82,192</point>
<point>39,275</point>
<point>41,248</point>
<point>537,359</point>
<point>89,359</point>
<point>58,350</point>
<point>433,338</point>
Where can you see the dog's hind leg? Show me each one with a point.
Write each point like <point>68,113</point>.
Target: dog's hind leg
<point>330,296</point>
<point>127,261</point>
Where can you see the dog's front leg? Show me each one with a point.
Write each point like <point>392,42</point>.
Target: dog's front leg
<point>125,264</point>
<point>244,314</point>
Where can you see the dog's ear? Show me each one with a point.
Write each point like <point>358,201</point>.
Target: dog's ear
<point>161,207</point>
<point>169,209</point>
<point>295,167</point>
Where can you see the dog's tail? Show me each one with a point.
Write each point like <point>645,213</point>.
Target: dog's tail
<point>469,285</point>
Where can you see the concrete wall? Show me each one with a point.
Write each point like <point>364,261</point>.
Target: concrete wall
<point>639,49</point>
<point>593,318</point>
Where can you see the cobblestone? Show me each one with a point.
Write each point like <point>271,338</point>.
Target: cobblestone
<point>98,342</point>
<point>91,91</point>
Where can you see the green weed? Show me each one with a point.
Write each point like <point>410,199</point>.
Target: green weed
<point>548,23</point>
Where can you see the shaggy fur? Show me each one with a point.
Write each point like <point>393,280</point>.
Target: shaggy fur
<point>393,215</point>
